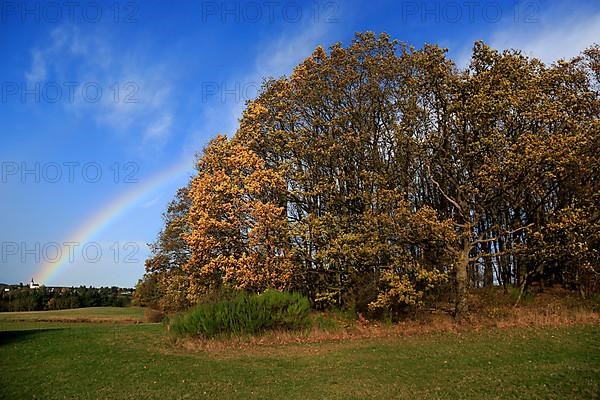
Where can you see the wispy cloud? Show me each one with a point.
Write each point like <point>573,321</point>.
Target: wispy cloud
<point>275,58</point>
<point>37,71</point>
<point>158,130</point>
<point>281,55</point>
<point>135,95</point>
<point>559,33</point>
<point>555,37</point>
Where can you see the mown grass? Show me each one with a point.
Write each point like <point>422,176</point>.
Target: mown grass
<point>91,314</point>
<point>54,360</point>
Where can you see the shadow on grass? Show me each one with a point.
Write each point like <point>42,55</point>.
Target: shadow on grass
<point>14,336</point>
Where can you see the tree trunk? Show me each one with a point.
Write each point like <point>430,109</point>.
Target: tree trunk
<point>462,280</point>
<point>488,268</point>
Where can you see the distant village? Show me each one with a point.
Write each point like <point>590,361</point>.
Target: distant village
<point>35,285</point>
<point>8,288</point>
<point>38,297</point>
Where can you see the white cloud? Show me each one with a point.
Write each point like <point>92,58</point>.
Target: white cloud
<point>560,32</point>
<point>280,56</point>
<point>37,72</point>
<point>159,128</point>
<point>42,57</point>
<point>559,36</point>
<point>134,91</point>
<point>276,57</point>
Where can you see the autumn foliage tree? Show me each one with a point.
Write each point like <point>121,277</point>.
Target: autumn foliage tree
<point>380,177</point>
<point>238,231</point>
<point>170,253</point>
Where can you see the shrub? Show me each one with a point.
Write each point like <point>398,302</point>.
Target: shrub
<point>326,322</point>
<point>151,315</point>
<point>244,314</point>
<point>404,291</point>
<point>147,293</point>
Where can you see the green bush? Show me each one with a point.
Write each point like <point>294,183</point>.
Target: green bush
<point>326,322</point>
<point>244,314</point>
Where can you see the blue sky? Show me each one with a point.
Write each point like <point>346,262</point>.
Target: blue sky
<point>98,99</point>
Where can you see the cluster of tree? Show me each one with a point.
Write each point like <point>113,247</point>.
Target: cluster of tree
<point>44,298</point>
<point>379,177</point>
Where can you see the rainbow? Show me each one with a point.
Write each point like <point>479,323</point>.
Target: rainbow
<point>111,212</point>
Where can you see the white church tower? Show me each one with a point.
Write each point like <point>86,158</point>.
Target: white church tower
<point>33,285</point>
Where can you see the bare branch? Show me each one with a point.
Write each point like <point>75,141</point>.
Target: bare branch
<point>452,201</point>
<point>518,229</point>
<point>478,241</point>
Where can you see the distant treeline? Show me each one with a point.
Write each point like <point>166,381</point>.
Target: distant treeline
<point>49,298</point>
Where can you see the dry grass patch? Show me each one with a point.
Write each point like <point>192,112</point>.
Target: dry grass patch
<point>553,308</point>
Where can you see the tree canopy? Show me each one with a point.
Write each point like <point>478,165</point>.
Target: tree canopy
<point>382,177</point>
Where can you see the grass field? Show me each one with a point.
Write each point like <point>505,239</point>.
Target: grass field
<point>58,360</point>
<point>92,314</point>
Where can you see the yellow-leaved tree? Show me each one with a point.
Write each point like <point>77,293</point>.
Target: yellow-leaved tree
<point>237,226</point>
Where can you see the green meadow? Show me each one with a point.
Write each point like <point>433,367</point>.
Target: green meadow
<point>56,359</point>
